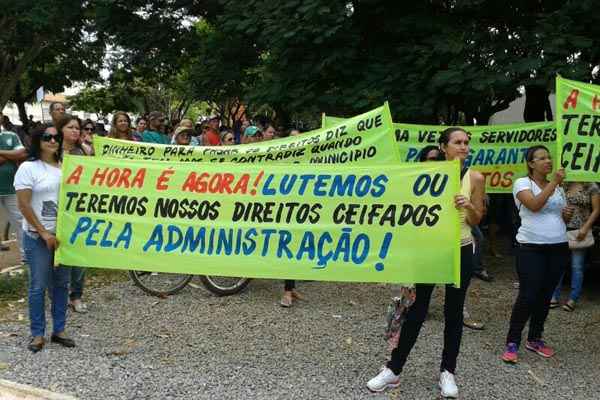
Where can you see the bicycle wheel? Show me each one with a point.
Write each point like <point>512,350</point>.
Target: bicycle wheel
<point>224,285</point>
<point>158,283</point>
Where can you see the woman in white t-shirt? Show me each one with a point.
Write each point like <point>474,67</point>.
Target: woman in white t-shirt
<point>543,251</point>
<point>37,185</point>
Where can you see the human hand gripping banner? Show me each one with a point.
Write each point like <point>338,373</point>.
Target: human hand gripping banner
<point>497,151</point>
<point>578,122</point>
<point>361,139</point>
<point>383,223</point>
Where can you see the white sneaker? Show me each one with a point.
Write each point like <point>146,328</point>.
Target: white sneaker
<point>448,385</point>
<point>384,380</point>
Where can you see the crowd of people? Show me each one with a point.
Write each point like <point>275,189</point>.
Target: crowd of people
<point>554,230</point>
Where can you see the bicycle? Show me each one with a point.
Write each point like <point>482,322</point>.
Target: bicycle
<point>164,284</point>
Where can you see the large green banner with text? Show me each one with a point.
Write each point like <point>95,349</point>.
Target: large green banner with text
<point>381,223</point>
<point>578,122</point>
<point>366,137</point>
<point>497,151</point>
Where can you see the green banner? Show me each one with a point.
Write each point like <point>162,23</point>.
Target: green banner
<point>497,151</point>
<point>366,137</point>
<point>578,123</point>
<point>381,223</point>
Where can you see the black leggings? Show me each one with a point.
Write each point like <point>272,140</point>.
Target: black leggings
<point>539,268</point>
<point>288,285</point>
<point>453,315</point>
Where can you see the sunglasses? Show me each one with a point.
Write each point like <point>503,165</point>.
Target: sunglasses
<point>88,129</point>
<point>48,137</point>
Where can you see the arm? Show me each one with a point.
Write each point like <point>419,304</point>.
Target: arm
<point>14,155</point>
<point>587,226</point>
<point>24,204</point>
<point>474,206</point>
<point>477,210</point>
<point>536,203</point>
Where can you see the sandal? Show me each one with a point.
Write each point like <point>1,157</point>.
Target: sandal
<point>554,304</point>
<point>569,306</point>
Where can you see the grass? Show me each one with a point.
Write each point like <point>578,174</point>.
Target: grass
<point>14,287</point>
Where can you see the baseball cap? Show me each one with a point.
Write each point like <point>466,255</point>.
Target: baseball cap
<point>182,129</point>
<point>251,130</point>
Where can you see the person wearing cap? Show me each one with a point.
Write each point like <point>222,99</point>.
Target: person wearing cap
<point>156,126</point>
<point>214,122</point>
<point>182,136</point>
<point>252,134</point>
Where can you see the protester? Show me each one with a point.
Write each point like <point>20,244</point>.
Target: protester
<point>87,136</point>
<point>584,198</point>
<point>57,110</point>
<point>140,127</point>
<point>211,137</point>
<point>121,126</point>
<point>542,253</point>
<point>37,186</point>
<point>227,138</point>
<point>183,136</point>
<point>454,144</point>
<point>155,132</point>
<point>214,122</point>
<point>269,132</point>
<point>12,152</point>
<point>252,134</point>
<point>432,153</point>
<point>68,127</point>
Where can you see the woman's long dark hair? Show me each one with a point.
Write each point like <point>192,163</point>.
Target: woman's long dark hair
<point>425,150</point>
<point>445,138</point>
<point>35,151</point>
<point>529,157</point>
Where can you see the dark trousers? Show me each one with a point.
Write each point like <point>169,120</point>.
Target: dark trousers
<point>539,268</point>
<point>453,318</point>
<point>289,285</point>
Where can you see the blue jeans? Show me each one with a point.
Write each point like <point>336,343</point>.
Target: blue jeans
<point>577,267</point>
<point>43,275</point>
<point>77,274</point>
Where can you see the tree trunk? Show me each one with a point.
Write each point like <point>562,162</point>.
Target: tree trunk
<point>537,104</point>
<point>20,102</point>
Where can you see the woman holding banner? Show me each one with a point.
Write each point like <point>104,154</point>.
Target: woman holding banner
<point>37,185</point>
<point>542,253</point>
<point>454,144</point>
<point>68,126</point>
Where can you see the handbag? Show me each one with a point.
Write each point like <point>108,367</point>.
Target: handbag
<point>396,314</point>
<point>575,244</point>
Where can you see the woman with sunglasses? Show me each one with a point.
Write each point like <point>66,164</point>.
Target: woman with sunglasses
<point>543,251</point>
<point>121,126</point>
<point>37,185</point>
<point>227,138</point>
<point>68,126</point>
